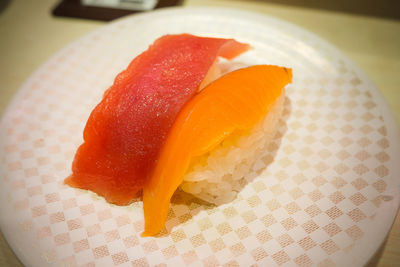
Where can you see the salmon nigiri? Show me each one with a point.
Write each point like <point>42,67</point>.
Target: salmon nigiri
<point>126,130</point>
<point>235,102</point>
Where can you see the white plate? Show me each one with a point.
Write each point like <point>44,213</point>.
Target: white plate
<point>329,195</point>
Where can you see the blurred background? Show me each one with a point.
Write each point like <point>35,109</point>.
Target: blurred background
<point>367,31</point>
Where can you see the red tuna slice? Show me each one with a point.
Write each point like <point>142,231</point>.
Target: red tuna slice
<point>126,130</point>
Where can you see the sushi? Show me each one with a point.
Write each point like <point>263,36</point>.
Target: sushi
<point>170,121</point>
<point>232,104</point>
<point>126,130</point>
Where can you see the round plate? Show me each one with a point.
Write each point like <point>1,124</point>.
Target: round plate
<point>326,191</point>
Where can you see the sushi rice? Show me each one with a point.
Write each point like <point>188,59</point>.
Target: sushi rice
<point>218,176</point>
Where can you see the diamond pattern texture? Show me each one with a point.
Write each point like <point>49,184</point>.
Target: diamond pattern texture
<point>310,200</point>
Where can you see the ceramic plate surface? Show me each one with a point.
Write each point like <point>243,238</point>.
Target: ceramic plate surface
<point>324,193</point>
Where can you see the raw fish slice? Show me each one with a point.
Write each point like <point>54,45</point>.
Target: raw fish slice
<point>126,130</point>
<point>237,101</point>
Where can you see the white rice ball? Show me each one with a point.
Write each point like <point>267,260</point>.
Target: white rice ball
<point>218,176</point>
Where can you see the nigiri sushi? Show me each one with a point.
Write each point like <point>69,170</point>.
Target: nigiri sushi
<point>126,130</point>
<point>169,121</point>
<point>227,108</point>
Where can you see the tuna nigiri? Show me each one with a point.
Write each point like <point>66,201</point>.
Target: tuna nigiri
<point>234,103</point>
<point>126,130</point>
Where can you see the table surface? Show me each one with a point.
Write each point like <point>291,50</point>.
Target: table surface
<point>30,35</point>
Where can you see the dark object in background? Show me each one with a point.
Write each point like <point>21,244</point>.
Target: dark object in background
<point>3,5</point>
<point>74,8</point>
<point>389,9</point>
